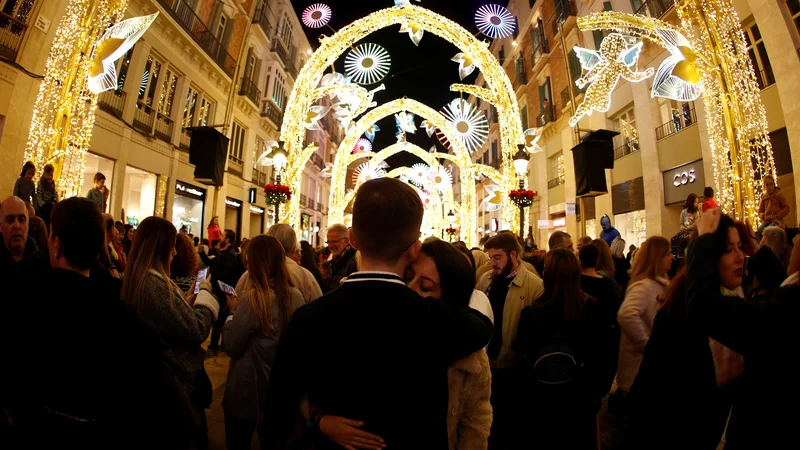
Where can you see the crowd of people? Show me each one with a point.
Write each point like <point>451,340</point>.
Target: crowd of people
<point>384,340</point>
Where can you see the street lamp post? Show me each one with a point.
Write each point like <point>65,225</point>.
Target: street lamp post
<point>521,160</point>
<point>451,217</point>
<point>279,162</point>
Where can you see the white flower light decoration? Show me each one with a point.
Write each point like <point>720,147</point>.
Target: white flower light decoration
<point>438,179</point>
<point>362,146</point>
<point>367,63</point>
<point>429,127</point>
<point>116,41</point>
<point>405,123</point>
<point>419,174</point>
<point>414,31</point>
<point>317,15</point>
<point>532,136</point>
<point>465,65</point>
<point>677,77</point>
<point>432,149</point>
<point>329,79</point>
<point>370,133</point>
<point>313,116</point>
<point>470,123</point>
<point>264,160</point>
<point>495,21</point>
<point>494,198</point>
<point>327,172</point>
<point>367,171</point>
<point>426,198</point>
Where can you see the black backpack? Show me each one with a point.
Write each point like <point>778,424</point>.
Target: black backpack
<point>556,363</point>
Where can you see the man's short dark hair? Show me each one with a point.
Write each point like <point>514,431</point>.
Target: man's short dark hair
<point>79,227</point>
<point>196,240</point>
<point>588,256</point>
<point>230,235</point>
<point>387,215</point>
<point>99,177</point>
<point>557,240</point>
<point>708,192</point>
<point>503,241</point>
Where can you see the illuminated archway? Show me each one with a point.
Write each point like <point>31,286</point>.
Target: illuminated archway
<point>499,92</point>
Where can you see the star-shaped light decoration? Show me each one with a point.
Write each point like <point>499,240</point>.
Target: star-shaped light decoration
<point>114,43</point>
<point>470,123</point>
<point>405,122</point>
<point>678,77</point>
<point>494,198</point>
<point>370,133</point>
<point>465,65</point>
<point>367,171</point>
<point>317,15</point>
<point>313,116</point>
<point>428,126</point>
<point>264,159</point>
<point>414,31</point>
<point>362,146</point>
<point>532,136</point>
<point>495,21</point>
<point>419,174</point>
<point>327,172</point>
<point>439,179</point>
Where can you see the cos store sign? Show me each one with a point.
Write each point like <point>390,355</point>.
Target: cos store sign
<point>682,181</point>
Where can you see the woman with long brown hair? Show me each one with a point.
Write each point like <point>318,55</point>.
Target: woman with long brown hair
<point>183,268</point>
<point>605,262</point>
<point>251,337</point>
<point>569,331</point>
<point>648,283</point>
<point>183,323</point>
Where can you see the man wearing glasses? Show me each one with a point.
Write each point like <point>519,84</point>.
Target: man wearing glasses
<point>343,257</point>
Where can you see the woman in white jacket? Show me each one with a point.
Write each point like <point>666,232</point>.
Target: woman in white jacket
<point>635,316</point>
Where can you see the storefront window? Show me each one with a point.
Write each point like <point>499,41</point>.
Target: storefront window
<point>139,198</point>
<point>95,164</point>
<point>233,216</point>
<point>257,214</point>
<point>632,227</point>
<point>591,228</point>
<point>188,208</point>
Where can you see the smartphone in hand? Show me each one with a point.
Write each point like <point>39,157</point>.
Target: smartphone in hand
<point>201,275</point>
<point>226,288</point>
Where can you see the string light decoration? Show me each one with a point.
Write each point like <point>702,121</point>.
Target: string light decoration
<point>362,146</point>
<point>367,63</point>
<point>604,68</point>
<point>64,110</point>
<point>470,123</point>
<point>735,117</point>
<point>112,46</point>
<point>317,15</point>
<point>499,92</point>
<point>495,21</point>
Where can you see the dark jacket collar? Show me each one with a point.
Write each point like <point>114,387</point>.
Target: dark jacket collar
<point>31,249</point>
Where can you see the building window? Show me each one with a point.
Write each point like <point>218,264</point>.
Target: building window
<point>189,108</point>
<point>236,146</point>
<point>139,197</point>
<point>122,69</point>
<point>223,22</point>
<point>627,141</point>
<point>167,94</point>
<point>524,116</point>
<point>555,170</point>
<point>494,150</point>
<point>501,54</point>
<point>206,109</point>
<point>147,88</point>
<point>794,11</point>
<point>758,56</point>
<point>675,116</point>
<point>278,91</point>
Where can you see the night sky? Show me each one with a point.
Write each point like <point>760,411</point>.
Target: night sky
<point>424,73</point>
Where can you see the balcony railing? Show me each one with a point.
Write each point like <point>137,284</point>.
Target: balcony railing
<point>183,13</point>
<point>680,120</point>
<point>655,8</point>
<point>271,112</point>
<point>250,90</point>
<point>280,49</point>
<point>302,200</point>
<point>143,117</point>
<point>262,18</point>
<point>12,31</point>
<point>765,78</point>
<point>557,181</point>
<point>624,146</point>
<point>320,208</point>
<point>547,115</point>
<point>164,126</point>
<point>186,139</point>
<point>317,161</point>
<point>112,101</point>
<point>541,48</point>
<point>521,77</point>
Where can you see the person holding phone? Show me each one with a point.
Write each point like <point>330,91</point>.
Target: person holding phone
<point>251,336</point>
<point>183,268</point>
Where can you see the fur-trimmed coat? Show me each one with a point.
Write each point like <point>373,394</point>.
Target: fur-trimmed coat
<point>469,418</point>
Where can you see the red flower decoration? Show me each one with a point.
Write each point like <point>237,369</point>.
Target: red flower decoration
<point>522,197</point>
<point>277,193</point>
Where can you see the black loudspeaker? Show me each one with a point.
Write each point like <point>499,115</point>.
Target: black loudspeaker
<point>207,151</point>
<point>592,157</point>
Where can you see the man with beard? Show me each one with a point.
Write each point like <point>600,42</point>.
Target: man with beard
<point>343,257</point>
<point>510,288</point>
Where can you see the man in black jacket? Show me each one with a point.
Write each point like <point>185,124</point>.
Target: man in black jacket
<point>373,350</point>
<point>343,257</point>
<point>21,261</point>
<point>226,267</point>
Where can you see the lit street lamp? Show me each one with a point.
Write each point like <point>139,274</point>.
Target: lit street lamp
<point>521,160</point>
<point>279,162</point>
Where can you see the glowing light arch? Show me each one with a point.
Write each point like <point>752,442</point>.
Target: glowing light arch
<point>500,93</point>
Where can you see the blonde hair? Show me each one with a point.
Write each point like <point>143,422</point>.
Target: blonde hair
<point>267,269</point>
<point>618,247</point>
<point>649,259</point>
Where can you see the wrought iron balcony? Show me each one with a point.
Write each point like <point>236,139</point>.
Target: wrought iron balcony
<point>279,47</point>
<point>262,18</point>
<point>547,115</point>
<point>680,120</point>
<point>271,112</point>
<point>183,13</point>
<point>249,89</point>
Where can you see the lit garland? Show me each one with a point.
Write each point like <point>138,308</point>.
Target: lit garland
<point>500,91</point>
<point>735,117</point>
<point>63,115</point>
<point>161,196</point>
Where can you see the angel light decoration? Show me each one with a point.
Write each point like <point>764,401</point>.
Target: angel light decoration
<point>614,60</point>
